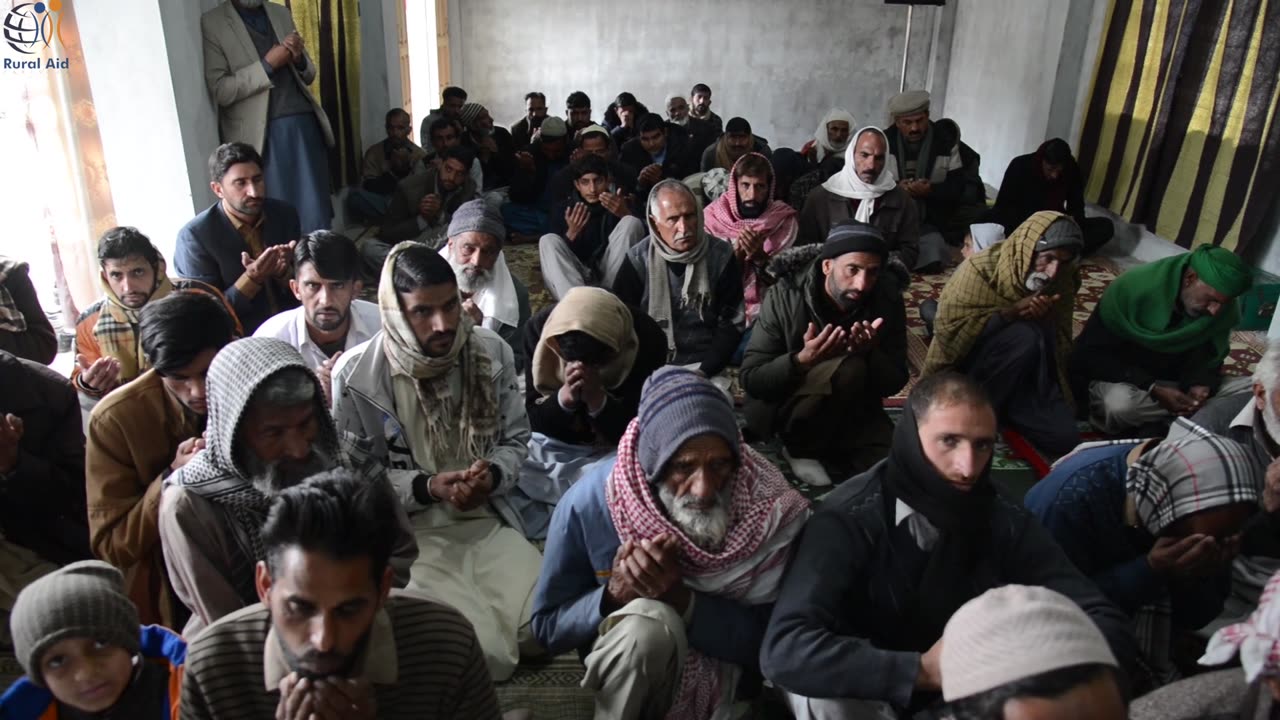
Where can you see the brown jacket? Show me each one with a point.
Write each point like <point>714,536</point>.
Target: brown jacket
<point>134,433</point>
<point>895,214</point>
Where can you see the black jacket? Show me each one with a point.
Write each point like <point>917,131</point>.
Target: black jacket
<point>547,417</point>
<point>42,500</point>
<point>678,164</point>
<point>845,602</point>
<point>1024,192</point>
<point>530,187</point>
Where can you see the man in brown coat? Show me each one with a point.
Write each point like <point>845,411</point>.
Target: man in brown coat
<point>866,189</point>
<point>144,431</point>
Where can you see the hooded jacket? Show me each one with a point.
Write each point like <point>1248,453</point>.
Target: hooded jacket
<point>769,371</point>
<point>211,514</point>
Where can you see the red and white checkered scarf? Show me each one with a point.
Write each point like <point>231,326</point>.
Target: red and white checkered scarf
<point>765,515</point>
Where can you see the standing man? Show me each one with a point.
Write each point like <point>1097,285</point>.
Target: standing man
<point>700,108</point>
<point>144,432</point>
<point>526,129</point>
<point>243,242</point>
<point>829,346</point>
<point>330,320</point>
<point>435,401</point>
<point>257,69</point>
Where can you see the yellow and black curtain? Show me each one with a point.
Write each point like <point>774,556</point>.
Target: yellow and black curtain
<point>331,29</point>
<point>1181,129</point>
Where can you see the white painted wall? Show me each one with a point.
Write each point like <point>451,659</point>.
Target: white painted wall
<point>781,65</point>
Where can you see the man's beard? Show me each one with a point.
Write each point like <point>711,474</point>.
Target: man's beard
<point>1036,281</point>
<point>271,478</point>
<point>317,665</point>
<point>682,122</point>
<point>471,278</point>
<point>843,299</point>
<point>707,528</point>
<point>329,323</point>
<point>750,211</point>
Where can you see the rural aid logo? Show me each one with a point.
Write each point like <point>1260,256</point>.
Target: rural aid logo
<point>31,28</point>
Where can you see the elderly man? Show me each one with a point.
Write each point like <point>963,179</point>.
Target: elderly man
<point>268,429</point>
<point>690,283</point>
<point>492,296</point>
<point>865,190</point>
<point>829,346</point>
<point>736,141</point>
<point>657,152</point>
<point>1154,346</point>
<point>526,128</point>
<point>663,565</point>
<point>451,101</point>
<point>257,69</point>
<point>25,331</point>
<point>1005,319</point>
<point>1155,524</point>
<point>934,167</point>
<point>241,243</point>
<point>423,205</point>
<point>699,133</point>
<point>591,354</point>
<point>700,108</point>
<point>330,319</point>
<point>382,653</point>
<point>144,432</point>
<point>892,554</point>
<point>133,275</point>
<point>434,399</point>
<point>385,164</point>
<point>591,230</point>
<point>1020,652</point>
<point>1048,179</point>
<point>750,217</point>
<point>833,135</point>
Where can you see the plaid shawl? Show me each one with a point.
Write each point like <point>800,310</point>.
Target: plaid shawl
<point>765,515</point>
<point>11,318</point>
<point>992,281</point>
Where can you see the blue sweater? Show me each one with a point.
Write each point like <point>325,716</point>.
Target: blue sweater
<point>581,543</point>
<point>1082,504</point>
<point>209,250</point>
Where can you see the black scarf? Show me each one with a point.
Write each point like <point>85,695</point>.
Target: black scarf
<point>963,520</point>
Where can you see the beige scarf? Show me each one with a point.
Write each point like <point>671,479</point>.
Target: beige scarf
<point>446,437</point>
<point>598,313</point>
<point>117,327</point>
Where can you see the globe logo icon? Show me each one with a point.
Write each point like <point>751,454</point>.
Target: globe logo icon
<point>30,24</point>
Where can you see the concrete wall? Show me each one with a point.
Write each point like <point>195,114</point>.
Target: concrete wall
<point>781,65</point>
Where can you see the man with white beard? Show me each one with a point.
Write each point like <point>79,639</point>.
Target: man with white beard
<point>1253,420</point>
<point>268,429</point>
<point>661,568</point>
<point>493,296</point>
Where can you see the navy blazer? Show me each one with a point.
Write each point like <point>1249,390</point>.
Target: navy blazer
<point>209,250</point>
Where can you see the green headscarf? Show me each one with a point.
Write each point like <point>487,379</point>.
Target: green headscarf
<point>1139,305</point>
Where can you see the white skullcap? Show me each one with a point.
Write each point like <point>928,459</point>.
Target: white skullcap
<point>1013,633</point>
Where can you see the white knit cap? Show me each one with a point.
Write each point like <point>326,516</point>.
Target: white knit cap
<point>1016,632</point>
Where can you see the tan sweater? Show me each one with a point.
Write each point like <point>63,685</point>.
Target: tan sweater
<point>423,661</point>
<point>133,436</point>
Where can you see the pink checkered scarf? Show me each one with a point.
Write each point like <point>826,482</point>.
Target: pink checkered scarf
<point>765,513</point>
<point>778,223</point>
<point>1257,639</point>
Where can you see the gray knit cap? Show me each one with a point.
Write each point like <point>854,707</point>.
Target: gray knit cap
<point>1062,233</point>
<point>82,600</point>
<point>477,216</point>
<point>677,404</point>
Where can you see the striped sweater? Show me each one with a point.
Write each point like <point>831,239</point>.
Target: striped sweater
<point>441,673</point>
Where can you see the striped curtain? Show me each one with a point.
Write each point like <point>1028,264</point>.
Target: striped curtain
<point>1181,130</point>
<point>331,30</point>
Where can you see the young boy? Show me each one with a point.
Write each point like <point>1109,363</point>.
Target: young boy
<point>76,634</point>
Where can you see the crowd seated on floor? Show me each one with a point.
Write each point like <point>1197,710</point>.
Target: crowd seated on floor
<point>310,473</point>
